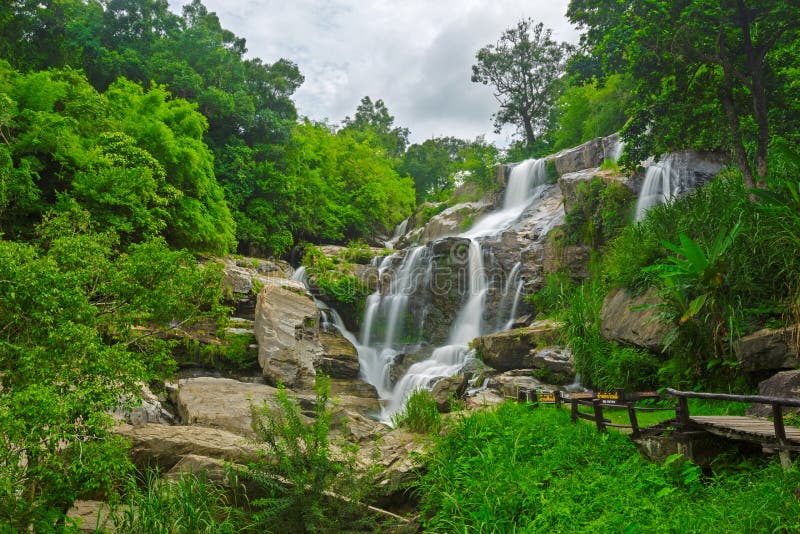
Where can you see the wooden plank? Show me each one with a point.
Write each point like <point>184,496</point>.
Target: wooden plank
<point>761,399</point>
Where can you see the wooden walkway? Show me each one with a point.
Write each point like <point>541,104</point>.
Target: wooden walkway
<point>744,428</point>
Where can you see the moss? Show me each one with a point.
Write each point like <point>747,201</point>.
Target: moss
<point>551,172</point>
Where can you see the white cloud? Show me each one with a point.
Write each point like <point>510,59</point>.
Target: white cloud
<point>416,55</point>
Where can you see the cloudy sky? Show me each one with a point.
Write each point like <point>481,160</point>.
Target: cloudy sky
<point>416,55</point>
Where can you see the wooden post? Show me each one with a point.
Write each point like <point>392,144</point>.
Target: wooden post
<point>598,415</point>
<point>780,435</point>
<point>558,399</point>
<point>634,421</point>
<point>620,396</point>
<point>574,410</point>
<point>682,413</point>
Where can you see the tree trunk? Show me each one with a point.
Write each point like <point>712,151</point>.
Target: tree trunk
<point>530,138</point>
<point>726,97</point>
<point>755,66</point>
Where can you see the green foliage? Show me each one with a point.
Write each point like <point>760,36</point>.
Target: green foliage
<point>184,506</point>
<point>517,469</point>
<point>599,213</point>
<point>373,123</point>
<point>134,159</point>
<point>523,67</point>
<point>591,110</point>
<point>80,327</point>
<point>334,277</point>
<point>550,170</point>
<point>419,414</point>
<point>309,485</point>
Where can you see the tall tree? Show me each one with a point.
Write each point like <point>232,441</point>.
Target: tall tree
<point>697,63</point>
<point>523,67</point>
<point>372,119</point>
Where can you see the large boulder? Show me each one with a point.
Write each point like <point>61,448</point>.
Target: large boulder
<point>508,384</point>
<point>768,349</point>
<point>632,320</point>
<point>568,183</point>
<point>147,408</point>
<point>515,349</point>
<point>163,446</point>
<point>572,259</point>
<point>453,220</point>
<point>287,330</point>
<point>221,403</point>
<point>785,384</point>
<point>589,155</point>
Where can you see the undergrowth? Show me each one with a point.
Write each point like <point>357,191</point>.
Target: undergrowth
<point>518,469</point>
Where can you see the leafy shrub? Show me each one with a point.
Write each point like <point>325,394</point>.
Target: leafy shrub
<point>309,485</point>
<point>420,413</point>
<point>599,213</point>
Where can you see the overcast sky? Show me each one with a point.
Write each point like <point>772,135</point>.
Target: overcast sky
<point>416,55</point>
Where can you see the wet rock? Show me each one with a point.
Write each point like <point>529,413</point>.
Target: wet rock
<point>339,356</point>
<point>287,329</point>
<point>768,349</point>
<point>513,349</point>
<point>785,384</point>
<point>453,220</point>
<point>690,168</point>
<point>446,389</point>
<point>632,320</point>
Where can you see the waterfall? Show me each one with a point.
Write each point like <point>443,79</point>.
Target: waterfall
<point>448,359</point>
<point>388,316</point>
<point>661,183</point>
<point>399,231</point>
<point>525,183</point>
<point>300,274</point>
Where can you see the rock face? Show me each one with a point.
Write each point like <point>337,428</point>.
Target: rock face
<point>785,384</point>
<point>149,410</point>
<point>516,349</point>
<point>163,446</point>
<point>568,183</point>
<point>586,156</point>
<point>287,330</point>
<point>639,327</point>
<point>768,350</point>
<point>448,388</point>
<point>690,168</point>
<point>339,358</point>
<point>574,259</point>
<point>453,220</point>
<point>242,276</point>
<point>221,403</point>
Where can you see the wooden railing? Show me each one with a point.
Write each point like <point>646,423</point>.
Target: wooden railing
<point>597,401</point>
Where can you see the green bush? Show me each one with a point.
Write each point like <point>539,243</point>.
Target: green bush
<point>517,469</point>
<point>599,213</point>
<point>419,414</point>
<point>309,486</point>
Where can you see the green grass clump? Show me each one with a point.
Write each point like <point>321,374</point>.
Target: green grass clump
<point>189,505</point>
<point>420,413</point>
<point>518,469</point>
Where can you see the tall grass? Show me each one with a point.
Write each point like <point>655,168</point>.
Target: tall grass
<point>189,505</point>
<point>420,413</point>
<point>522,470</point>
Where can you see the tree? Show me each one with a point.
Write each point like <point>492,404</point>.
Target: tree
<point>697,64</point>
<point>431,165</point>
<point>523,67</point>
<point>372,119</point>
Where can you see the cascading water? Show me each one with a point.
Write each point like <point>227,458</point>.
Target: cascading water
<point>389,309</point>
<point>448,359</point>
<point>660,185</point>
<point>525,182</point>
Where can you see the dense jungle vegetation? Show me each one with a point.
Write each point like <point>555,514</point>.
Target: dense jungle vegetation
<point>135,141</point>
